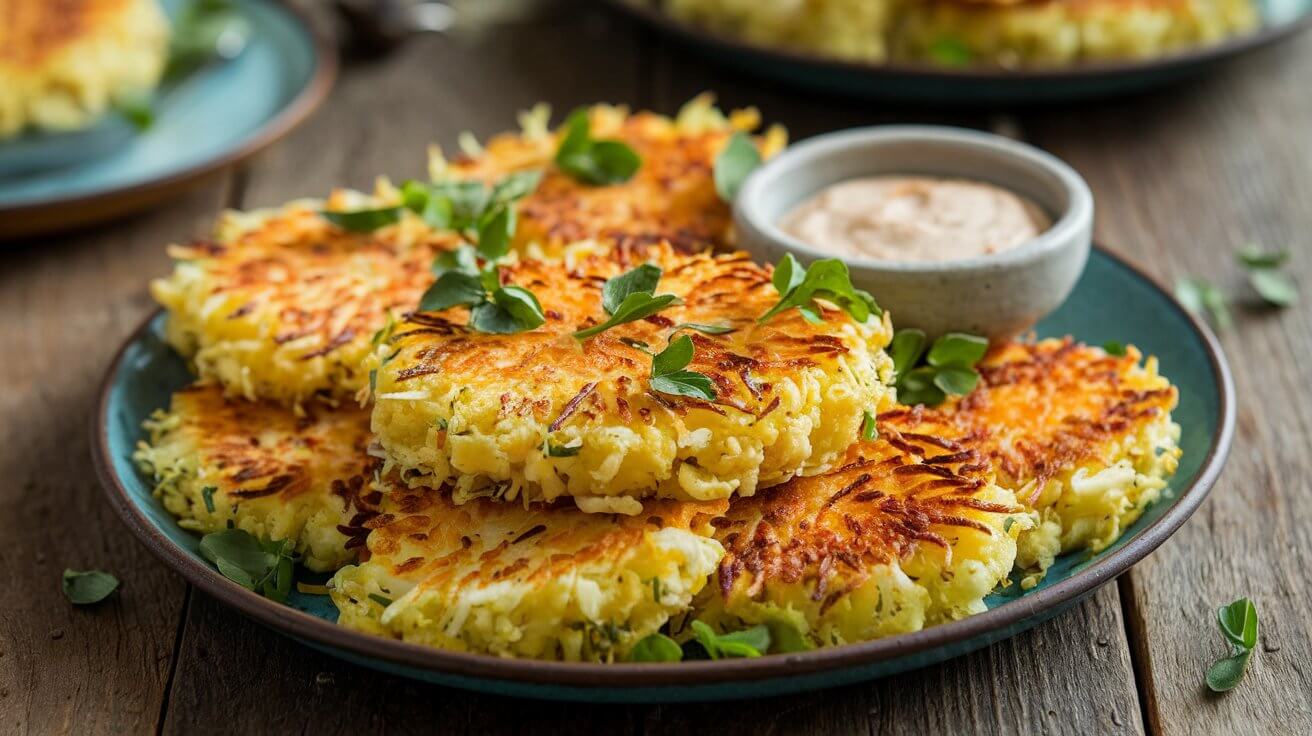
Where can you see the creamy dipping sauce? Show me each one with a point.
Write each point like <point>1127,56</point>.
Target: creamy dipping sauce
<point>907,218</point>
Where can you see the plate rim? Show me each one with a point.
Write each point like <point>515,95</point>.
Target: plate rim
<point>634,676</point>
<point>642,10</point>
<point>103,203</point>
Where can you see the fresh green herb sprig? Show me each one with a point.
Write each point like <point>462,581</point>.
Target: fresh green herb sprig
<point>472,208</point>
<point>365,220</point>
<point>630,297</point>
<point>569,449</point>
<point>827,279</point>
<point>205,30</point>
<point>668,374</point>
<point>1274,286</point>
<point>1115,348</point>
<point>739,158</point>
<point>596,162</point>
<point>262,566</point>
<point>1201,296</point>
<point>84,587</point>
<point>751,642</point>
<point>949,365</point>
<point>1238,622</point>
<point>656,648</point>
<point>493,308</point>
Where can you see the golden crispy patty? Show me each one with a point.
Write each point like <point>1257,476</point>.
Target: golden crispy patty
<point>258,466</point>
<point>63,63</point>
<point>910,532</point>
<point>481,410</point>
<point>1083,437</point>
<point>543,582</point>
<point>671,198</point>
<point>284,305</point>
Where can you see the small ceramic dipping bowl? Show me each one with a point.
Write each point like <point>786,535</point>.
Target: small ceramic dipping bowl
<point>997,295</point>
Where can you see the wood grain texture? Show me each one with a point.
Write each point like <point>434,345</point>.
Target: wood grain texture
<point>69,301</point>
<point>1183,178</point>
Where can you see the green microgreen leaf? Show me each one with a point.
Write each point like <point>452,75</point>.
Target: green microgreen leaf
<point>918,387</point>
<point>516,186</point>
<point>668,376</point>
<point>522,306</point>
<point>704,328</point>
<point>1112,347</point>
<point>381,600</point>
<point>495,231</point>
<point>826,279</point>
<point>363,221</point>
<point>84,587</point>
<point>462,259</point>
<point>869,428</point>
<point>642,279</point>
<point>951,51</point>
<point>738,159</point>
<point>788,275</point>
<point>596,162</point>
<point>1275,287</point>
<point>569,449</point>
<point>262,566</point>
<point>906,349</point>
<point>453,289</point>
<point>956,381</point>
<point>751,642</point>
<point>635,306</point>
<point>1251,256</point>
<point>958,350</point>
<point>656,648</point>
<point>786,637</point>
<point>1201,296</point>
<point>207,495</point>
<point>1238,623</point>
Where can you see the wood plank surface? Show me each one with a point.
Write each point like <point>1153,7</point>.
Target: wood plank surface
<point>70,300</point>
<point>1182,179</point>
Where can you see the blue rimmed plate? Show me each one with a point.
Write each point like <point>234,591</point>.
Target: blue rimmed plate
<point>216,117</point>
<point>924,83</point>
<point>1113,301</point>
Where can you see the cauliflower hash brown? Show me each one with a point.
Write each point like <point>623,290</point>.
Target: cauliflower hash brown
<point>546,582</point>
<point>479,410</point>
<point>64,63</point>
<point>217,461</point>
<point>283,305</point>
<point>1007,33</point>
<point>910,532</point>
<point>1083,437</point>
<point>672,197</point>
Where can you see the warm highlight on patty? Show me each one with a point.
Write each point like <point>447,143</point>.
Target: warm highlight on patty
<point>63,63</point>
<point>1083,437</point>
<point>542,582</point>
<point>910,532</point>
<point>217,461</point>
<point>284,305</point>
<point>479,410</point>
<point>671,198</point>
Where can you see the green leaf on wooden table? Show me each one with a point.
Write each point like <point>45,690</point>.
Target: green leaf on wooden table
<point>1251,256</point>
<point>1201,296</point>
<point>255,564</point>
<point>363,221</point>
<point>596,162</point>
<point>656,648</point>
<point>1238,623</point>
<point>1275,287</point>
<point>738,159</point>
<point>84,587</point>
<point>751,642</point>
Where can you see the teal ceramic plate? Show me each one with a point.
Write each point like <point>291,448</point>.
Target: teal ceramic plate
<point>1113,301</point>
<point>939,86</point>
<point>213,118</point>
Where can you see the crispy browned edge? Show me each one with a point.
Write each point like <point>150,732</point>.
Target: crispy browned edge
<point>936,643</point>
<point>53,214</point>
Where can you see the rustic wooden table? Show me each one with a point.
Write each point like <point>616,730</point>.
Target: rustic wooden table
<point>1181,177</point>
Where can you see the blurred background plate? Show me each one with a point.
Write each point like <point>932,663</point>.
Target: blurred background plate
<point>923,83</point>
<point>1113,301</point>
<point>211,119</point>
